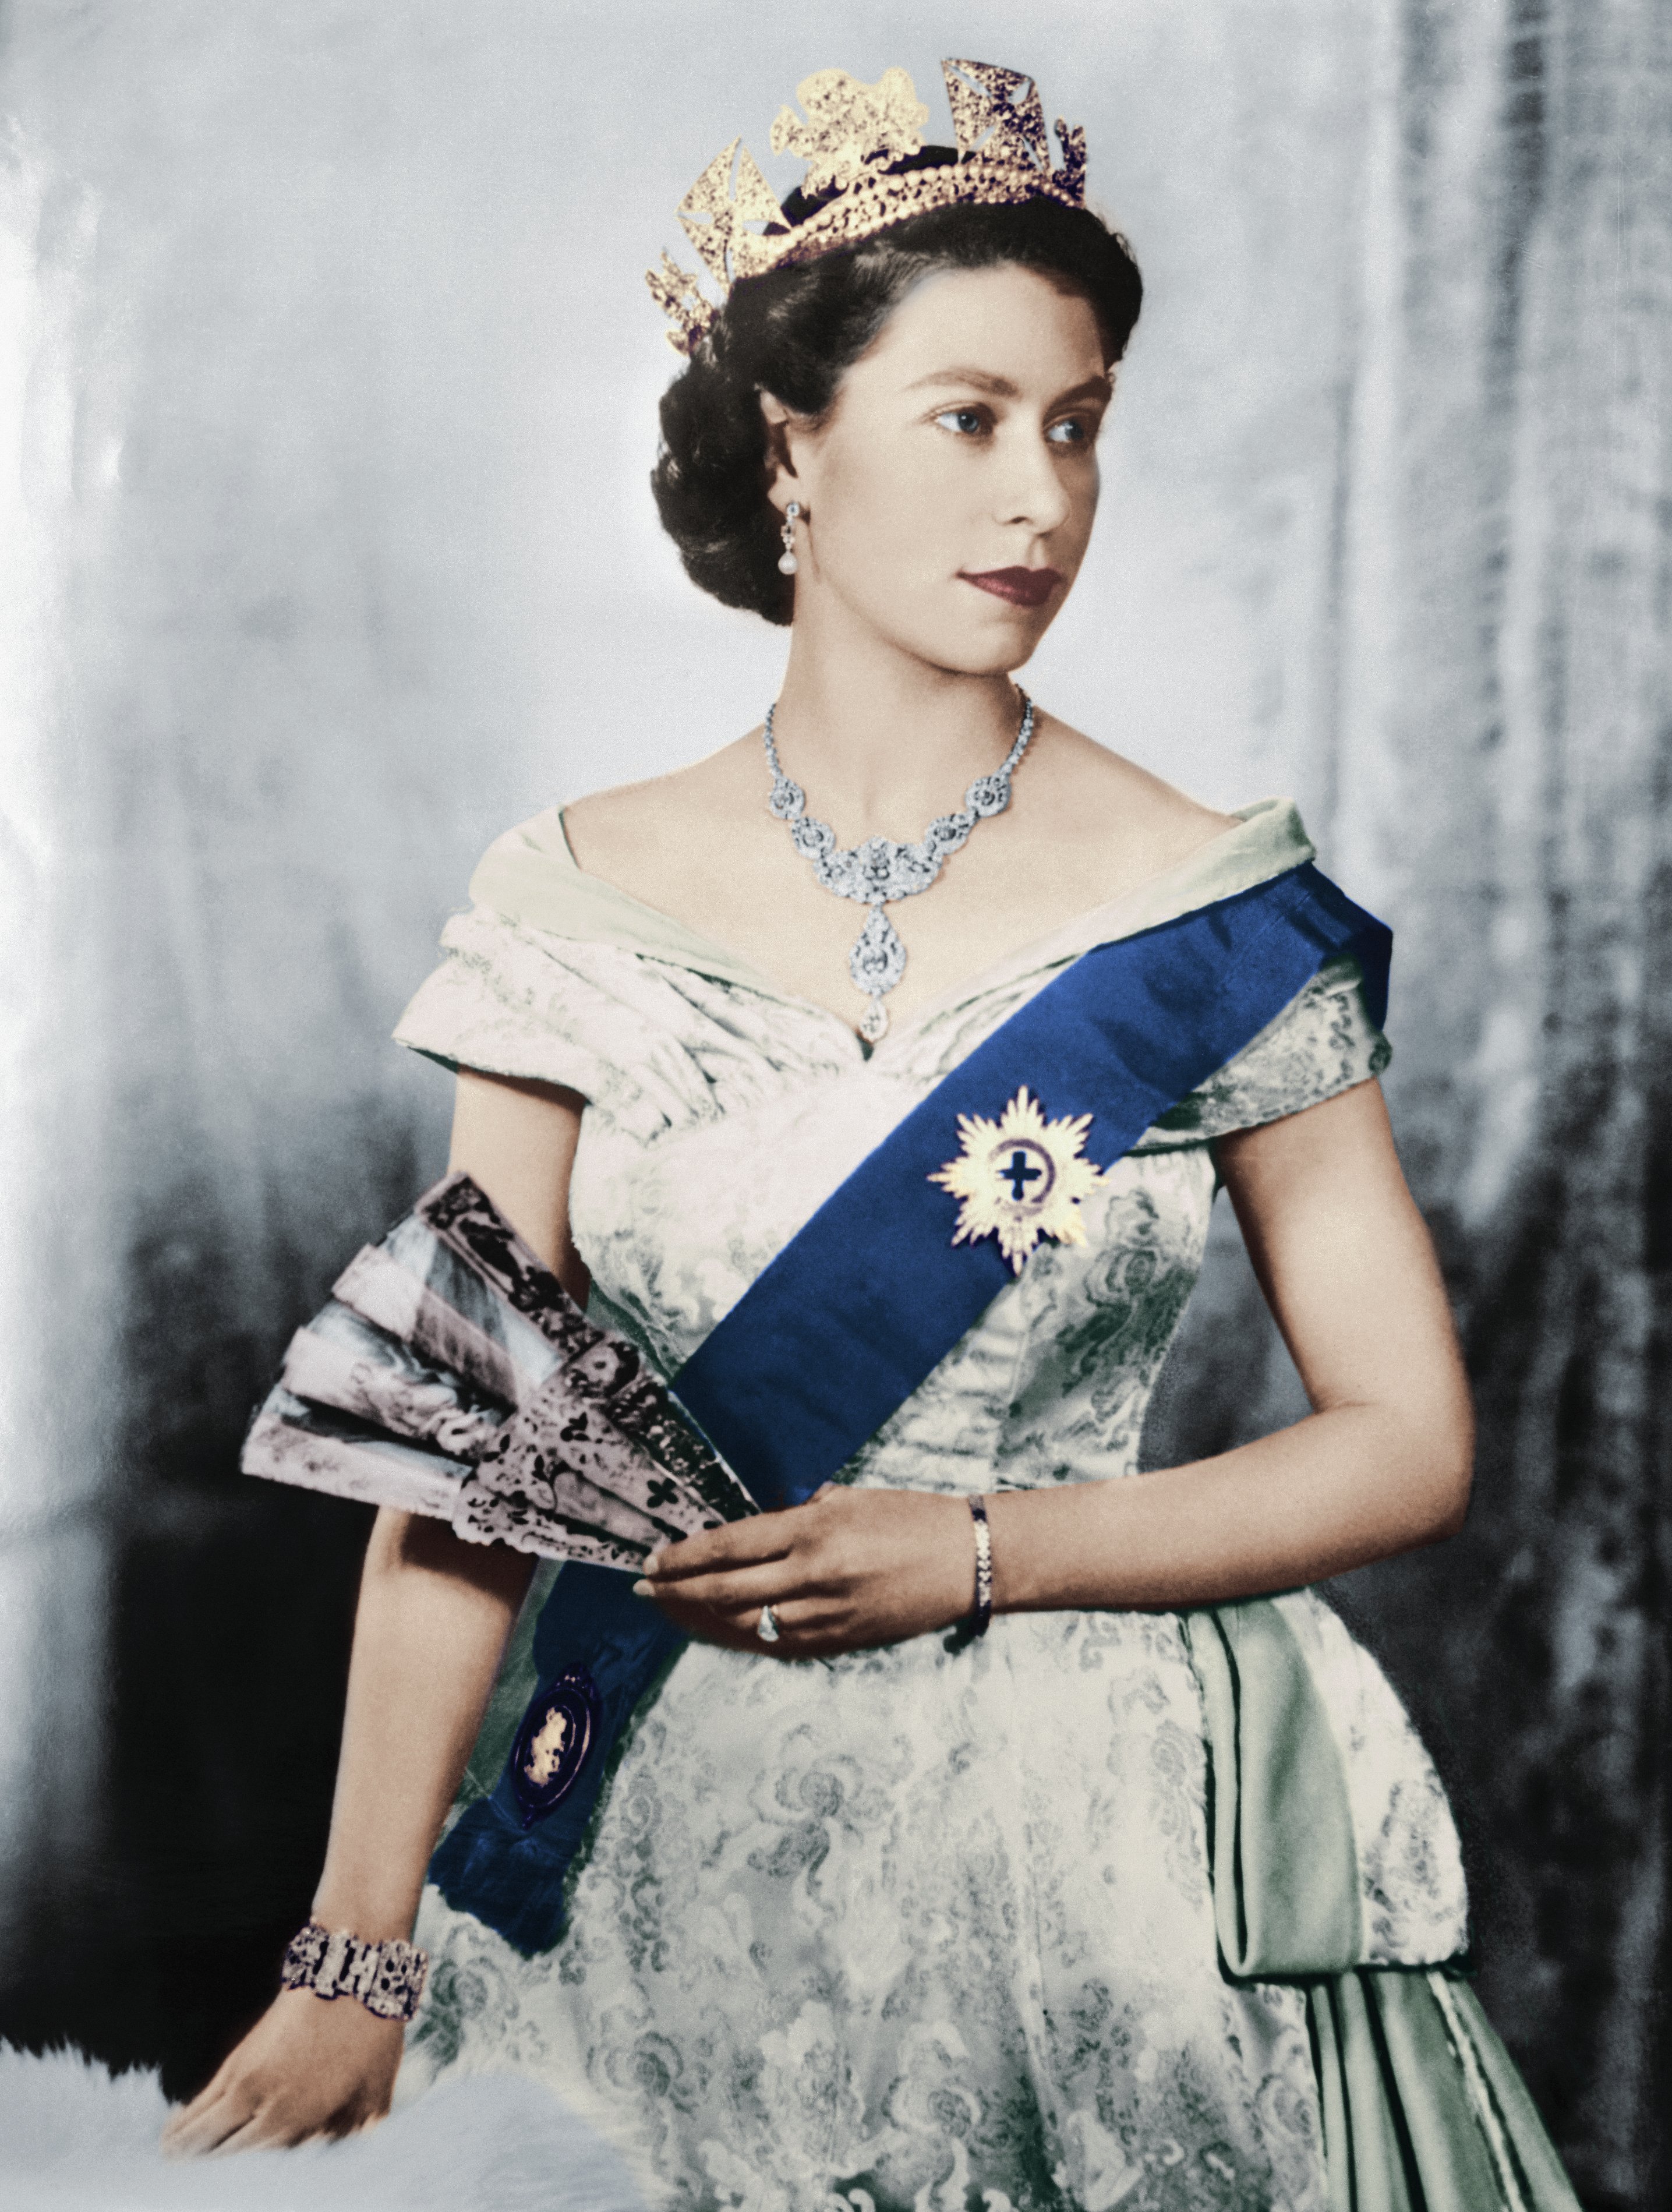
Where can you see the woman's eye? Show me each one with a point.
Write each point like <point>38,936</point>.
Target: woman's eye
<point>1072,432</point>
<point>963,422</point>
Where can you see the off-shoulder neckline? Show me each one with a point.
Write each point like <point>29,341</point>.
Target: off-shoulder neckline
<point>531,875</point>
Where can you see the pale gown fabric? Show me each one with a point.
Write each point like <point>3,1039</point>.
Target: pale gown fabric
<point>913,1926</point>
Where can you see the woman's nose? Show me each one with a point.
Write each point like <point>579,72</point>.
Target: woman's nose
<point>1030,489</point>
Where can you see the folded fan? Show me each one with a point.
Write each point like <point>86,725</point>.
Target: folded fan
<point>453,1376</point>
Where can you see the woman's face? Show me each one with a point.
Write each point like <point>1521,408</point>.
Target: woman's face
<point>950,491</point>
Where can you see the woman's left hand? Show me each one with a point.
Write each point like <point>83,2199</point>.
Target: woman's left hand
<point>848,1571</point>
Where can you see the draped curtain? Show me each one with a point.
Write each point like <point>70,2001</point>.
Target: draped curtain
<point>1502,780</point>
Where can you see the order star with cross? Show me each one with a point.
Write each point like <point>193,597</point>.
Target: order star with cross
<point>995,1174</point>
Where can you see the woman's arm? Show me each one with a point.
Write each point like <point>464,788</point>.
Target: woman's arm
<point>1381,1465</point>
<point>430,1631</point>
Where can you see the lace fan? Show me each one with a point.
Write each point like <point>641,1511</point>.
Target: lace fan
<point>452,1375</point>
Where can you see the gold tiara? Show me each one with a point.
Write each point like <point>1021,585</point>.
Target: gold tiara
<point>852,132</point>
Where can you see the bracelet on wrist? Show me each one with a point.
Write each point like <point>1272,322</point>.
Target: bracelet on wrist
<point>387,1978</point>
<point>975,1621</point>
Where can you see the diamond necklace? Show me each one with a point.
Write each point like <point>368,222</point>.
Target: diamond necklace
<point>882,868</point>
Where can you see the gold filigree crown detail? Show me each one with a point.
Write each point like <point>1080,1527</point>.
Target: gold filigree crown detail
<point>851,133</point>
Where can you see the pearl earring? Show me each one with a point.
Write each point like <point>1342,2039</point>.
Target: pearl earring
<point>788,563</point>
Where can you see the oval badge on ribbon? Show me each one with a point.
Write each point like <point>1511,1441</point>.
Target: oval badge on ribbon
<point>552,1743</point>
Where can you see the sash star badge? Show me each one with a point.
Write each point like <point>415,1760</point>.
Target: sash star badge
<point>1020,1178</point>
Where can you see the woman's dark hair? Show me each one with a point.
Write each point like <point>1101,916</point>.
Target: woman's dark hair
<point>795,332</point>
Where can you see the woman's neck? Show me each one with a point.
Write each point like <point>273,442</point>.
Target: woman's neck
<point>883,742</point>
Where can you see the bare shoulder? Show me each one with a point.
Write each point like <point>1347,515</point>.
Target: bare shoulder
<point>630,830</point>
<point>1095,796</point>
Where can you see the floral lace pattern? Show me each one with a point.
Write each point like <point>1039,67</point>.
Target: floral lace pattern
<point>911,1928</point>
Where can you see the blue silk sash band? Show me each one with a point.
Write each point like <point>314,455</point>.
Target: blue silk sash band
<point>870,1295</point>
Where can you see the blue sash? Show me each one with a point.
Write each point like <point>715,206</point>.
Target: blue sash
<point>870,1295</point>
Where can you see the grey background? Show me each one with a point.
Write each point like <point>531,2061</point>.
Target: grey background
<point>327,381</point>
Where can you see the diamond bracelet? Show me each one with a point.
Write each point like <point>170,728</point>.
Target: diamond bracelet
<point>983,1612</point>
<point>975,1622</point>
<point>387,1978</point>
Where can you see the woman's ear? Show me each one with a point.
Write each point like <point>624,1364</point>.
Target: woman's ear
<point>784,431</point>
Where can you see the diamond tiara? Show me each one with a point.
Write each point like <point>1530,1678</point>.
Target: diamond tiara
<point>851,135</point>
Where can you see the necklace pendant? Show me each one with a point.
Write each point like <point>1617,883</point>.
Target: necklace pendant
<point>876,963</point>
<point>878,960</point>
<point>882,868</point>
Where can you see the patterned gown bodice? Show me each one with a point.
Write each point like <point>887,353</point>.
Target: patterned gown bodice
<point>721,1116</point>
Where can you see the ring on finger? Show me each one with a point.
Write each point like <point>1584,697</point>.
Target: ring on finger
<point>767,1626</point>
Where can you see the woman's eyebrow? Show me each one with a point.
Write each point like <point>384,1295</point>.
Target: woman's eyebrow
<point>999,387</point>
<point>1094,387</point>
<point>979,380</point>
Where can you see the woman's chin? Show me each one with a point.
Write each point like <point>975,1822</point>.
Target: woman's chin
<point>992,659</point>
<point>979,644</point>
<point>995,647</point>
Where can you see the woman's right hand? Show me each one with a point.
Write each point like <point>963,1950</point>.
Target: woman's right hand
<point>311,2066</point>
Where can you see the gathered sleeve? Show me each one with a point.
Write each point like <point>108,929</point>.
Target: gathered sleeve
<point>1323,1042</point>
<point>509,998</point>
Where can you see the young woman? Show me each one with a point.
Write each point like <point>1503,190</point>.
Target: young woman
<point>867,1913</point>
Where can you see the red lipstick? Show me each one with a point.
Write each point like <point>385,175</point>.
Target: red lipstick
<point>1023,587</point>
